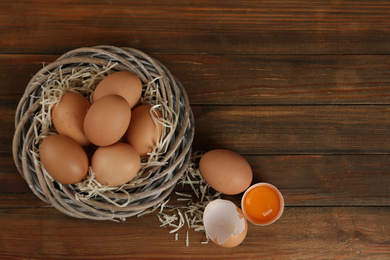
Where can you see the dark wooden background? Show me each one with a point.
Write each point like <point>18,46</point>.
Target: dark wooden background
<point>299,88</point>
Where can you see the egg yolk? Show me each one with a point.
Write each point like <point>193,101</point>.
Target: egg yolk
<point>261,204</point>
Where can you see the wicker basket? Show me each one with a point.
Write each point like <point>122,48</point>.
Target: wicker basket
<point>161,179</point>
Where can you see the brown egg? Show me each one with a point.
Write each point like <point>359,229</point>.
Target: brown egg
<point>122,83</point>
<point>143,133</point>
<point>226,171</point>
<point>107,120</point>
<point>68,116</point>
<point>116,164</point>
<point>64,159</point>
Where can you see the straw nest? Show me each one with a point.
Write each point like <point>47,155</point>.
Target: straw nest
<point>80,70</point>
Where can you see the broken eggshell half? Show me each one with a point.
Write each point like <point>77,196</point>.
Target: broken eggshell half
<point>224,223</point>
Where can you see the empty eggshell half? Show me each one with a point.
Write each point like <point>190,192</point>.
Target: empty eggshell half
<point>224,223</point>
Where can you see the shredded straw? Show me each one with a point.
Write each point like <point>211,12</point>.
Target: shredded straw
<point>83,80</point>
<point>189,215</point>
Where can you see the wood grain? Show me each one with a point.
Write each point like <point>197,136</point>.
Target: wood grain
<point>304,180</point>
<point>193,27</point>
<point>325,232</point>
<point>277,129</point>
<point>326,180</point>
<point>300,88</point>
<point>294,129</point>
<point>282,79</point>
<point>247,79</point>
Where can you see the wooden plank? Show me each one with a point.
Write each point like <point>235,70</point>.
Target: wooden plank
<point>277,129</point>
<point>246,79</point>
<point>318,180</point>
<point>304,180</point>
<point>294,129</point>
<point>302,232</point>
<point>12,182</point>
<point>250,27</point>
<point>289,130</point>
<point>17,71</point>
<point>282,79</point>
<point>26,200</point>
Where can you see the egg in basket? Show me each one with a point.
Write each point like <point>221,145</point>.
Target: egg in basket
<point>103,133</point>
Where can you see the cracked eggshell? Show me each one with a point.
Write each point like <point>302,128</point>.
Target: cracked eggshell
<point>224,223</point>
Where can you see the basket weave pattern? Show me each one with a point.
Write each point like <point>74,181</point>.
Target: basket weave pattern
<point>148,192</point>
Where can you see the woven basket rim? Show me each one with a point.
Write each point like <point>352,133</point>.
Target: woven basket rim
<point>142,196</point>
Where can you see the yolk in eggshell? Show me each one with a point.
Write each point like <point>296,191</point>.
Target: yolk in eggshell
<point>261,204</point>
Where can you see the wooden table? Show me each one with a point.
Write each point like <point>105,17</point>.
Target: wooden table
<point>301,89</point>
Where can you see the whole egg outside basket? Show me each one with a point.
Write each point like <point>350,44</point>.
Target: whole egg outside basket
<point>139,197</point>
